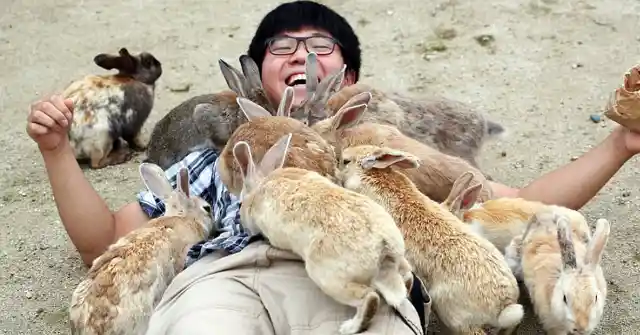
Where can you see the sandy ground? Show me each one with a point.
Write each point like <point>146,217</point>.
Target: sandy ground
<point>547,67</point>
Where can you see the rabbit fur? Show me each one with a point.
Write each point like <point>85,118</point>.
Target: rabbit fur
<point>451,127</point>
<point>110,110</point>
<point>308,150</point>
<point>435,175</point>
<point>562,273</point>
<point>501,219</point>
<point>469,280</point>
<point>124,284</point>
<point>207,121</point>
<point>351,246</point>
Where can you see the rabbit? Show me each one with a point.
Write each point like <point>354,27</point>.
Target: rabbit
<point>450,126</point>
<point>124,284</point>
<point>470,283</point>
<point>207,121</point>
<point>308,150</point>
<point>351,246</point>
<point>562,273</point>
<point>434,176</point>
<point>501,219</point>
<point>110,110</point>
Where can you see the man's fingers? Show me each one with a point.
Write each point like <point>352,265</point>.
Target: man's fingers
<point>36,129</point>
<point>69,104</point>
<point>42,118</point>
<point>61,105</point>
<point>54,113</point>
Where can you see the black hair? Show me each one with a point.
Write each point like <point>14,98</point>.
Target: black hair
<point>295,15</point>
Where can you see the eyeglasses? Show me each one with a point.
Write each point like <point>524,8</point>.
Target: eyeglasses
<point>288,45</point>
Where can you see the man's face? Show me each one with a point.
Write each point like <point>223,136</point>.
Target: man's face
<point>280,71</point>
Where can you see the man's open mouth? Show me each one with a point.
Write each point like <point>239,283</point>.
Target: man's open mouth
<point>297,79</point>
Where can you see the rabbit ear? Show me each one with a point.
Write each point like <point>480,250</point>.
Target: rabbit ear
<point>329,85</point>
<point>234,78</point>
<point>276,156</point>
<point>251,109</point>
<point>347,117</point>
<point>123,62</point>
<point>385,157</point>
<point>183,181</point>
<point>598,242</point>
<point>566,243</point>
<point>251,72</point>
<point>154,178</point>
<point>457,189</point>
<point>463,200</point>
<point>311,72</point>
<point>242,155</point>
<point>284,109</point>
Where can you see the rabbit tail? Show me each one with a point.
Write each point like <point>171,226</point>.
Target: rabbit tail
<point>390,281</point>
<point>511,316</point>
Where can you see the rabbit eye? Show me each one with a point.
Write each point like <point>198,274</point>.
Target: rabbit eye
<point>346,161</point>
<point>564,298</point>
<point>207,208</point>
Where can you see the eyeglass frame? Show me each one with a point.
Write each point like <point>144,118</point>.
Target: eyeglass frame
<point>304,42</point>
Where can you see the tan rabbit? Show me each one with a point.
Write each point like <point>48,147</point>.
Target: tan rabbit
<point>351,246</point>
<point>562,274</point>
<point>120,291</point>
<point>500,220</point>
<point>469,281</point>
<point>308,149</point>
<point>435,175</point>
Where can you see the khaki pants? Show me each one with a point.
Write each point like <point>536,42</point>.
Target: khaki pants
<point>261,290</point>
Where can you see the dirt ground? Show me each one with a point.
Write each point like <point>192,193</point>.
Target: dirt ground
<point>539,67</point>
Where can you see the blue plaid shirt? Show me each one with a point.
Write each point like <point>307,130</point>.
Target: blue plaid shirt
<point>205,182</point>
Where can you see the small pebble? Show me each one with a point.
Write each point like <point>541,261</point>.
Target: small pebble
<point>576,65</point>
<point>39,311</point>
<point>595,118</point>
<point>28,295</point>
<point>626,194</point>
<point>574,158</point>
<point>503,154</point>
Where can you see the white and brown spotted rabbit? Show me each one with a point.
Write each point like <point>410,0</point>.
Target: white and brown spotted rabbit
<point>562,273</point>
<point>123,285</point>
<point>208,120</point>
<point>351,246</point>
<point>110,110</point>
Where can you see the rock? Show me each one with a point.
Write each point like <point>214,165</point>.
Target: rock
<point>28,295</point>
<point>182,87</point>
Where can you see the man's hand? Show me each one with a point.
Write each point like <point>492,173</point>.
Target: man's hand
<point>49,121</point>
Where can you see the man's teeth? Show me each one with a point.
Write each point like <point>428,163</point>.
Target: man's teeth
<point>297,79</point>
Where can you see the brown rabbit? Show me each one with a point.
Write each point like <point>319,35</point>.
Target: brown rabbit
<point>562,273</point>
<point>123,285</point>
<point>207,121</point>
<point>351,246</point>
<point>500,220</point>
<point>434,177</point>
<point>452,127</point>
<point>308,150</point>
<point>469,280</point>
<point>110,110</point>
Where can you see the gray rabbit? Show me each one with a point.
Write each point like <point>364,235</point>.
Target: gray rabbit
<point>208,120</point>
<point>450,126</point>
